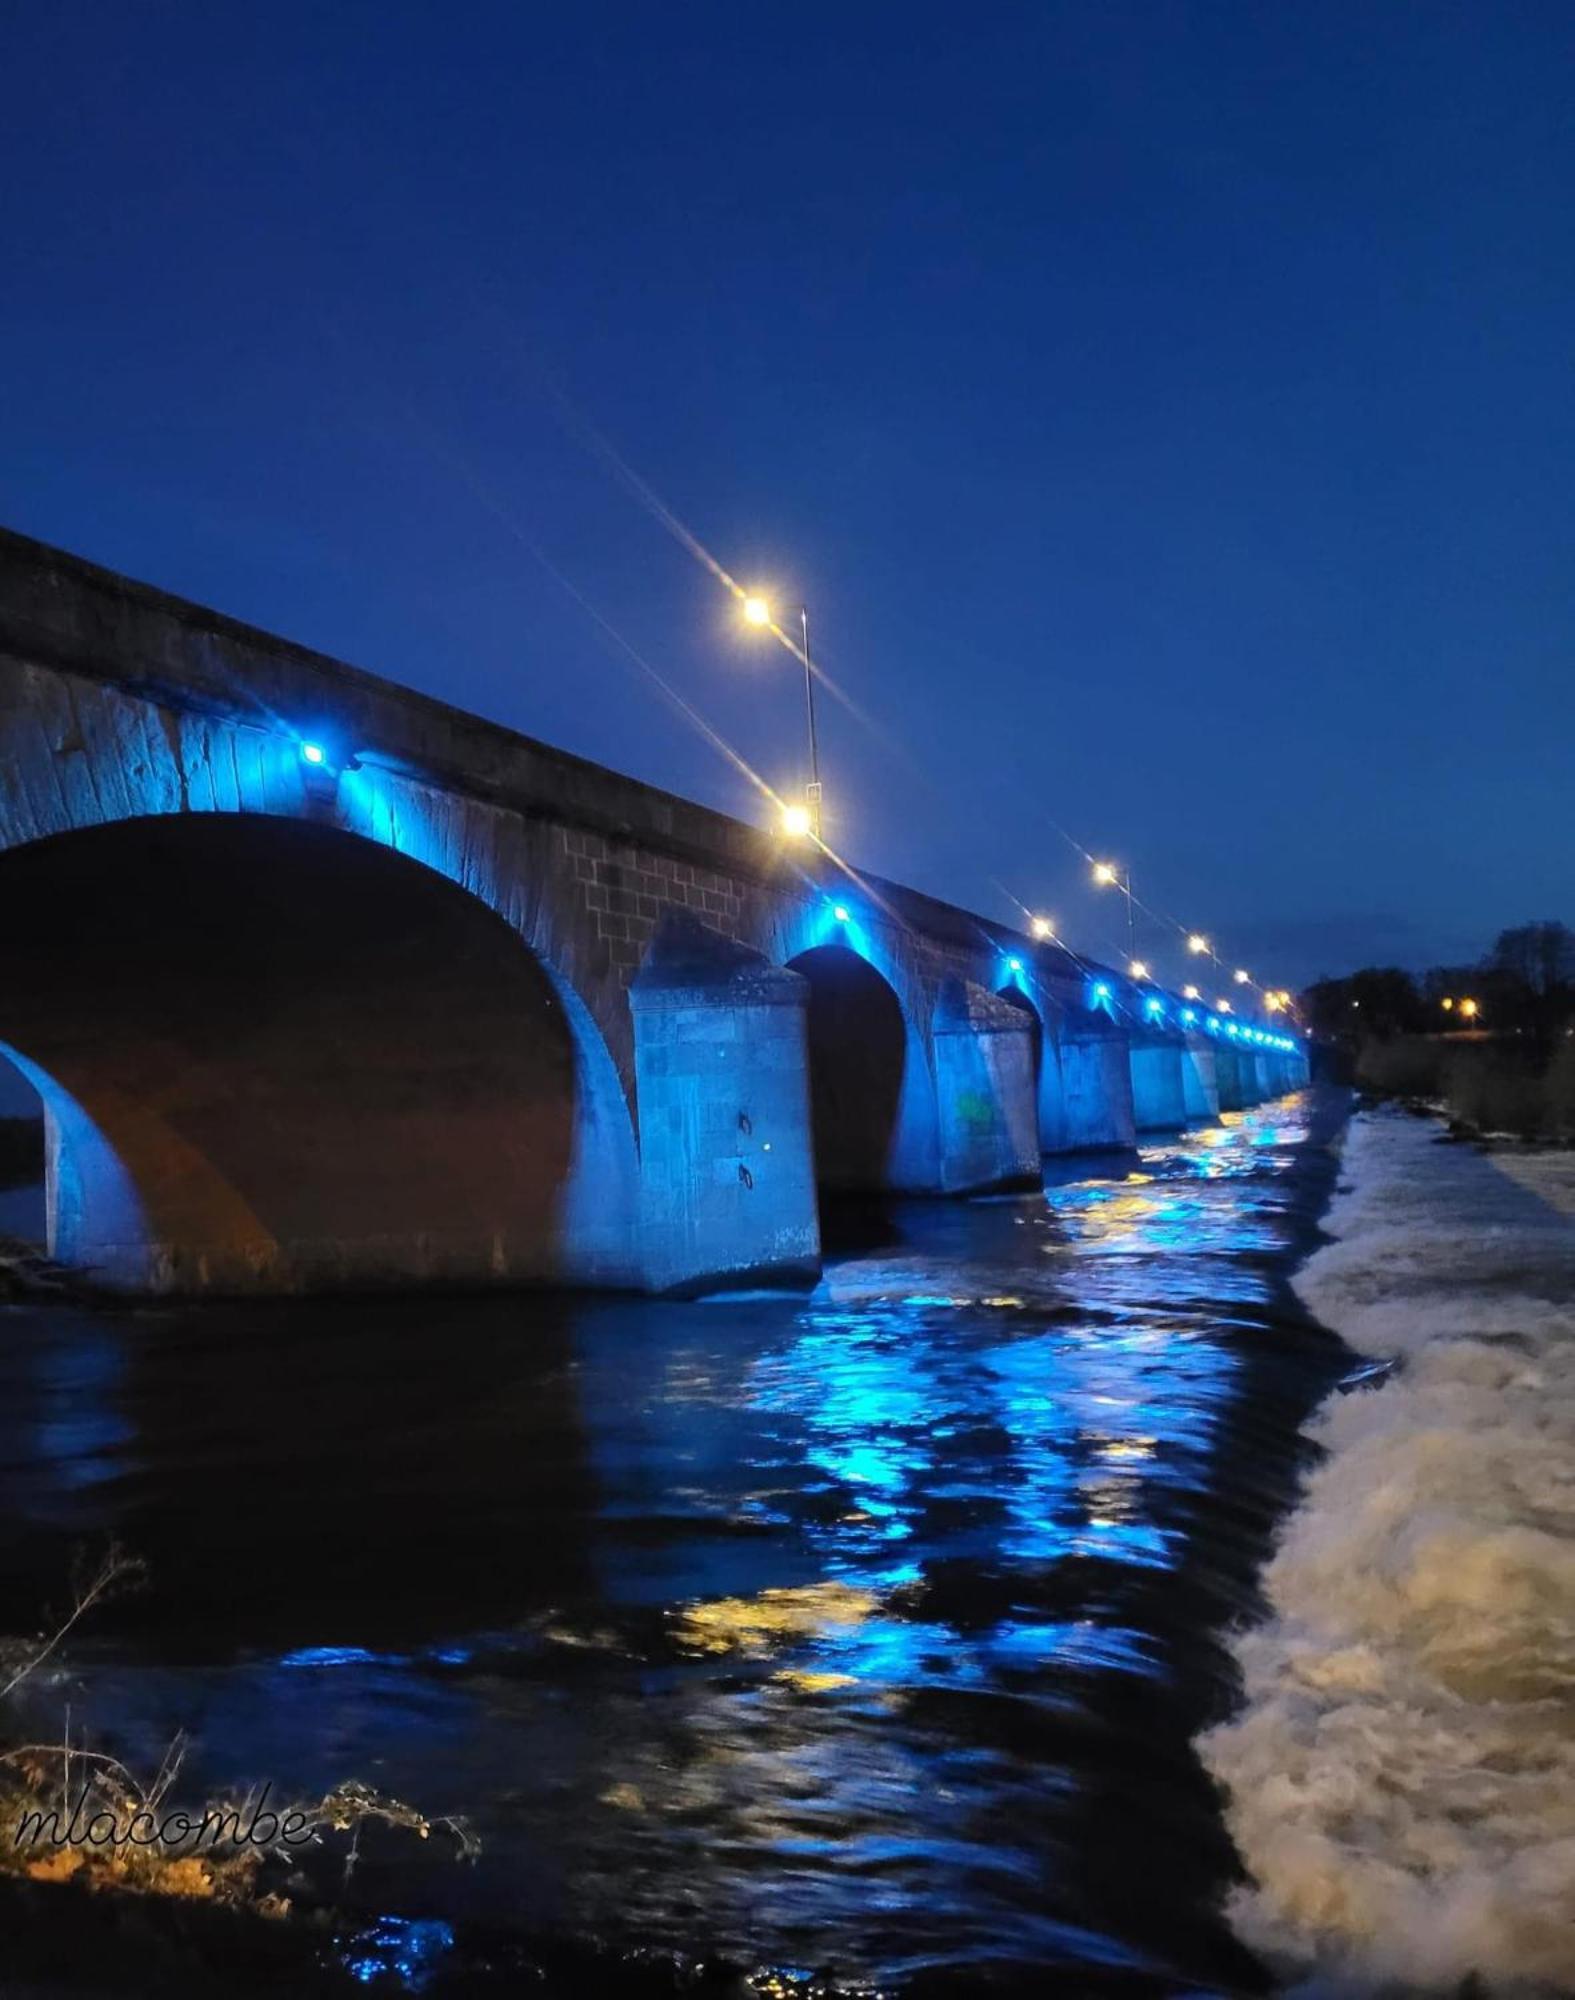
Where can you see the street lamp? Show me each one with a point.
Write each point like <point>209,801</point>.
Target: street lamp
<point>1197,942</point>
<point>1138,969</point>
<point>1108,875</point>
<point>1042,928</point>
<point>757,611</point>
<point>1240,976</point>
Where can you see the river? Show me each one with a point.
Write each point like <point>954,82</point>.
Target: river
<point>862,1635</point>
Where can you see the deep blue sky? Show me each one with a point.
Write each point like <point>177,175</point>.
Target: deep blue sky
<point>1165,410</point>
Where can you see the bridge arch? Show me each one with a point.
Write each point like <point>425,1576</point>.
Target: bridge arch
<point>277,1054</point>
<point>1049,1095</point>
<point>872,1096</point>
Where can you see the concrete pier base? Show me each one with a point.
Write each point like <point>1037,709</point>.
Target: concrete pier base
<point>1238,1076</point>
<point>1089,1107</point>
<point>1199,1079</point>
<point>985,1093</point>
<point>1158,1089</point>
<point>727,1180</point>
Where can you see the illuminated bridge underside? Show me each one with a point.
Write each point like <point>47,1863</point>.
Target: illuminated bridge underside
<point>450,1007</point>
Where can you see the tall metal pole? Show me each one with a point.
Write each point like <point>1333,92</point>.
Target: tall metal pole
<point>812,790</point>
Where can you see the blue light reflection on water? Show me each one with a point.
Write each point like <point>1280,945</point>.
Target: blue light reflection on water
<point>858,1629</point>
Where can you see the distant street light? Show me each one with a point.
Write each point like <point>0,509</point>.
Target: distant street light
<point>1138,969</point>
<point>1190,993</point>
<point>1042,928</point>
<point>1471,1009</point>
<point>796,822</point>
<point>758,612</point>
<point>1241,978</point>
<point>1197,942</point>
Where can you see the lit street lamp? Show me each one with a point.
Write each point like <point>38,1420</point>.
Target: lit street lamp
<point>757,611</point>
<point>1107,875</point>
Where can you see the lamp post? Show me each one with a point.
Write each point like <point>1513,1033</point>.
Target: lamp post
<point>757,610</point>
<point>1106,873</point>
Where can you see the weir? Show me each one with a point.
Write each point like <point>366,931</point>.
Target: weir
<point>328,987</point>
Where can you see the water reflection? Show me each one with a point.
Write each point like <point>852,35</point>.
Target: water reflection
<point>864,1632</point>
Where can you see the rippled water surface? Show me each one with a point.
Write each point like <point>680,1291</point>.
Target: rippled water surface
<point>861,1634</point>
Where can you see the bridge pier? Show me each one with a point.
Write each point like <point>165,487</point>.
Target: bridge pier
<point>1200,1078</point>
<point>1158,1090</point>
<point>1086,1106</point>
<point>984,1087</point>
<point>727,1168</point>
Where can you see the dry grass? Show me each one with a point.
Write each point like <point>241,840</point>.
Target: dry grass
<point>53,1794</point>
<point>1490,1088</point>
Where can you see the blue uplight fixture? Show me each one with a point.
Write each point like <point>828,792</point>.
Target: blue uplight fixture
<point>326,756</point>
<point>1188,1016</point>
<point>1101,991</point>
<point>1153,1007</point>
<point>1231,1028</point>
<point>842,914</point>
<point>1014,964</point>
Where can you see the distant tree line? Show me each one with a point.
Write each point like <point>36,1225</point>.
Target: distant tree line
<point>1493,1043</point>
<point>1524,987</point>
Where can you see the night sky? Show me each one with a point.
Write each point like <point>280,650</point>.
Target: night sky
<point>1165,411</point>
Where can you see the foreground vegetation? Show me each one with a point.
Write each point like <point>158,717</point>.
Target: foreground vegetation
<point>1489,1088</point>
<point>72,1813</point>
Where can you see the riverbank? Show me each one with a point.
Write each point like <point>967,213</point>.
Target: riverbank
<point>1401,1776</point>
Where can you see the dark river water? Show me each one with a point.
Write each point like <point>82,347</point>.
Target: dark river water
<point>860,1635</point>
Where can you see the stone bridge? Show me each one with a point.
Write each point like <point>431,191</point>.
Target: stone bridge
<point>325,985</point>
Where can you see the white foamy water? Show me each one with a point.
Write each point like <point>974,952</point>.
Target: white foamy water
<point>1401,1776</point>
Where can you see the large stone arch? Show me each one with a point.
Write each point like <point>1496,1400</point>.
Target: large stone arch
<point>859,1063</point>
<point>279,1054</point>
<point>1039,1018</point>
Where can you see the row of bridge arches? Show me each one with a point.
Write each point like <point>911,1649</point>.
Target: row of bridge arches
<point>276,1054</point>
<point>279,1055</point>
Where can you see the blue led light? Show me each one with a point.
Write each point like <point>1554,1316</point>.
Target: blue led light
<point>842,914</point>
<point>313,753</point>
<point>1016,964</point>
<point>1155,1006</point>
<point>1230,1027</point>
<point>1101,991</point>
<point>1188,1016</point>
